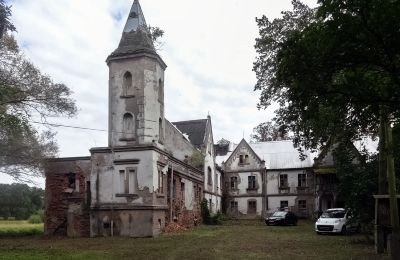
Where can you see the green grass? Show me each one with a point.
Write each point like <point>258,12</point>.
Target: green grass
<point>18,228</point>
<point>247,240</point>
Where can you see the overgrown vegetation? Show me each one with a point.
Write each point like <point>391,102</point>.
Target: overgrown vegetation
<point>197,159</point>
<point>19,228</point>
<point>251,240</point>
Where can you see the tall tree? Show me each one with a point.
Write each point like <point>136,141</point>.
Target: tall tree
<point>25,94</point>
<point>268,131</point>
<point>335,73</point>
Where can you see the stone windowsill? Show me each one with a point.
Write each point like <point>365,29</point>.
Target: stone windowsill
<point>127,96</point>
<point>126,195</point>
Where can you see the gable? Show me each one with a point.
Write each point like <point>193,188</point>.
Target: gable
<point>241,151</point>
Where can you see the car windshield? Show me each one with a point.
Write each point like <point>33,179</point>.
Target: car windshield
<point>279,214</point>
<point>333,214</point>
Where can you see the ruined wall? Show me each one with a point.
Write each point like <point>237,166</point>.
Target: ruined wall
<point>66,197</point>
<point>176,143</point>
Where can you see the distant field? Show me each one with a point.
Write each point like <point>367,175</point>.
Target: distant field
<point>235,240</point>
<point>17,228</point>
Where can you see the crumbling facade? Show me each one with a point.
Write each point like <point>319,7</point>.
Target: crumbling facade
<point>151,173</point>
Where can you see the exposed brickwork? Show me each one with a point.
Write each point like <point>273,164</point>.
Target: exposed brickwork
<point>66,209</point>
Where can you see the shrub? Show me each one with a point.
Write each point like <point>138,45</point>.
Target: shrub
<point>35,219</point>
<point>205,213</point>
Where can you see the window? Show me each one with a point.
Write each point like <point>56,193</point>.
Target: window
<point>284,204</point>
<point>302,180</point>
<point>241,160</point>
<point>302,204</point>
<point>234,206</point>
<point>252,182</point>
<point>128,126</point>
<point>160,130</point>
<point>234,183</point>
<point>183,191</point>
<point>246,158</point>
<point>160,182</point>
<point>128,181</point>
<point>283,181</point>
<point>209,176</point>
<point>160,91</point>
<point>127,88</point>
<point>251,207</point>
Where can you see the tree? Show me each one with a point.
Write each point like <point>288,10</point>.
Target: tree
<point>334,71</point>
<point>26,94</point>
<point>268,131</point>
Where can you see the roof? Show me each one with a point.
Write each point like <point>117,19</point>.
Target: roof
<point>281,155</point>
<point>276,154</point>
<point>195,129</point>
<point>136,36</point>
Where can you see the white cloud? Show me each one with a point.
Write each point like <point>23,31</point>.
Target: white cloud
<point>208,49</point>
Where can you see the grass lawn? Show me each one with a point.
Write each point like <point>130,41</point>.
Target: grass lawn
<point>247,240</point>
<point>17,228</point>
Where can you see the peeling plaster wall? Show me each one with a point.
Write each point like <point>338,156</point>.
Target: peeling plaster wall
<point>176,143</point>
<point>274,203</point>
<point>243,206</point>
<point>273,180</point>
<point>143,103</point>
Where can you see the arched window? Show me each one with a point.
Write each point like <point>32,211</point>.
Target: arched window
<point>209,176</point>
<point>160,130</point>
<point>161,91</point>
<point>127,88</point>
<point>128,126</point>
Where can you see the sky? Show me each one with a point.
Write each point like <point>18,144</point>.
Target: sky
<point>208,47</point>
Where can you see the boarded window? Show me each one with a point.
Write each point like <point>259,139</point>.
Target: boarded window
<point>127,88</point>
<point>302,180</point>
<point>251,207</point>
<point>128,126</point>
<point>128,179</point>
<point>283,181</point>
<point>252,182</point>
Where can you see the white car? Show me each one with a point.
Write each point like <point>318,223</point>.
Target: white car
<point>336,221</point>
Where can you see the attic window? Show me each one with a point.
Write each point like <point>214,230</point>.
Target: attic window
<point>241,160</point>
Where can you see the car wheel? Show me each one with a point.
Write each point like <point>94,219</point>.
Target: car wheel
<point>344,230</point>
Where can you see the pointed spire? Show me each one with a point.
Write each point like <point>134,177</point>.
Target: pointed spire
<point>135,19</point>
<point>136,37</point>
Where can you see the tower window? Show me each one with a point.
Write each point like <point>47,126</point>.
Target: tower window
<point>161,91</point>
<point>128,126</point>
<point>127,88</point>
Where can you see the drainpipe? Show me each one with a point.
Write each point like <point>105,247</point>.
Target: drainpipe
<point>171,193</point>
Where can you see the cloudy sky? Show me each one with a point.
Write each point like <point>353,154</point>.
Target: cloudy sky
<point>208,47</point>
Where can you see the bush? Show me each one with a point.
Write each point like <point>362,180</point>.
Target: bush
<point>35,219</point>
<point>205,213</point>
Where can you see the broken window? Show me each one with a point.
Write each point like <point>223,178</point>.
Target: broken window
<point>302,180</point>
<point>234,206</point>
<point>283,181</point>
<point>241,160</point>
<point>127,88</point>
<point>252,207</point>
<point>128,179</point>
<point>183,192</point>
<point>160,182</point>
<point>284,204</point>
<point>302,204</point>
<point>233,183</point>
<point>209,176</point>
<point>252,182</point>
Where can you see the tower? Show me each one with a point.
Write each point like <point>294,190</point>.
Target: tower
<point>136,86</point>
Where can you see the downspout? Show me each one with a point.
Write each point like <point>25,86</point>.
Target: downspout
<point>171,193</point>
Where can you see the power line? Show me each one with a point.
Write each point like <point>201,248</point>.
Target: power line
<point>70,126</point>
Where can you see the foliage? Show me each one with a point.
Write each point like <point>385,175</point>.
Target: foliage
<point>197,159</point>
<point>156,33</point>
<point>205,212</point>
<point>25,95</point>
<point>19,229</point>
<point>35,219</point>
<point>331,69</point>
<point>20,201</point>
<point>268,131</point>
